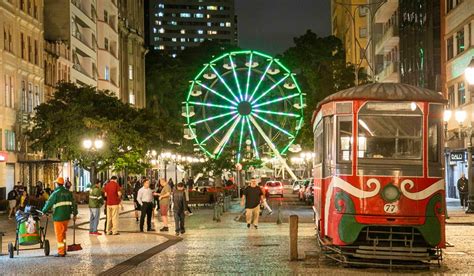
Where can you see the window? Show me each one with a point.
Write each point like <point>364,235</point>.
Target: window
<point>23,96</point>
<point>161,6</point>
<point>29,7</point>
<point>200,31</point>
<point>174,39</point>
<point>37,96</point>
<point>161,47</point>
<point>107,73</point>
<point>35,10</point>
<point>130,72</point>
<point>36,52</point>
<point>106,16</point>
<point>450,48</point>
<point>160,14</point>
<point>460,42</point>
<point>222,24</point>
<point>363,11</point>
<point>7,90</point>
<point>183,31</point>
<point>451,97</point>
<point>461,93</point>
<point>228,24</point>
<point>362,32</point>
<point>106,43</point>
<point>318,144</point>
<point>449,5</point>
<point>30,50</point>
<point>209,24</point>
<point>161,30</point>
<point>131,97</point>
<point>199,15</point>
<point>10,140</point>
<point>22,42</point>
<point>211,32</point>
<point>185,14</point>
<point>30,98</point>
<point>174,23</point>
<point>5,39</point>
<point>212,8</point>
<point>22,5</point>
<point>390,131</point>
<point>344,134</point>
<point>434,132</point>
<point>183,39</point>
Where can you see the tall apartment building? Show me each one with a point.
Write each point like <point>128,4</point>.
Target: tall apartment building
<point>22,81</point>
<point>457,46</point>
<point>350,23</point>
<point>177,24</point>
<point>132,51</point>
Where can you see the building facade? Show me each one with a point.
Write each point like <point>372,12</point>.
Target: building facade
<point>22,82</point>
<point>457,44</point>
<point>132,51</point>
<point>350,23</point>
<point>178,24</point>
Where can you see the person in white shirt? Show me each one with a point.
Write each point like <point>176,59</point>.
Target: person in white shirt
<point>145,199</point>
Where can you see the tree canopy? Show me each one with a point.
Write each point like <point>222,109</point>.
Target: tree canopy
<point>79,112</point>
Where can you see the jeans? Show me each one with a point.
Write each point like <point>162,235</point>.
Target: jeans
<point>94,219</point>
<point>179,221</point>
<point>147,210</point>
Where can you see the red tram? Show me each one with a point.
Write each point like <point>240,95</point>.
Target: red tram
<point>378,174</point>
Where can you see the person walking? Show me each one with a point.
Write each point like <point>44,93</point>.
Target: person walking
<point>145,199</point>
<point>463,190</point>
<point>95,203</point>
<point>113,195</point>
<point>186,195</point>
<point>164,199</point>
<point>136,187</point>
<point>171,184</point>
<point>12,198</point>
<point>251,198</point>
<point>179,205</point>
<point>63,204</point>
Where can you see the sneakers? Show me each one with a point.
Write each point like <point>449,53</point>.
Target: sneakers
<point>95,233</point>
<point>164,229</point>
<point>248,225</point>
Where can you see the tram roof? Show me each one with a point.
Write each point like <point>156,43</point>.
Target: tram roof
<point>385,92</point>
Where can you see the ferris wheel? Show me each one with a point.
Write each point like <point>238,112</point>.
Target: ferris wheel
<point>245,102</point>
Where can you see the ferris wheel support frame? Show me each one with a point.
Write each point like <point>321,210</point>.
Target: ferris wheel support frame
<point>272,147</point>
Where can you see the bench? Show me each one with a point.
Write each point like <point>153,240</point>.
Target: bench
<point>196,199</point>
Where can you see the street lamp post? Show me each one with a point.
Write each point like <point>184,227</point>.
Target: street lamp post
<point>469,75</point>
<point>93,146</point>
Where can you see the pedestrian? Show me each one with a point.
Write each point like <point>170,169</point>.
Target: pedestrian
<point>12,198</point>
<point>63,204</point>
<point>164,199</point>
<point>24,199</point>
<point>136,187</point>
<point>252,196</point>
<point>265,201</point>
<point>95,203</point>
<point>171,183</point>
<point>179,205</point>
<point>145,199</point>
<point>68,184</point>
<point>186,194</point>
<point>113,195</point>
<point>463,190</point>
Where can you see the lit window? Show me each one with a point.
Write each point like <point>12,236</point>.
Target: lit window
<point>212,8</point>
<point>201,39</point>
<point>107,73</point>
<point>211,32</point>
<point>173,55</point>
<point>174,23</point>
<point>228,24</point>
<point>196,39</point>
<point>208,16</point>
<point>154,30</point>
<point>209,24</point>
<point>161,6</point>
<point>182,47</point>
<point>130,72</point>
<point>183,39</point>
<point>161,30</point>
<point>183,31</point>
<point>161,47</point>
<point>199,15</point>
<point>222,24</point>
<point>185,14</point>
<point>200,31</point>
<point>160,14</point>
<point>173,39</point>
<point>131,98</point>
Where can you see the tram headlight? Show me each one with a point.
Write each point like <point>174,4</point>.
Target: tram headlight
<point>390,193</point>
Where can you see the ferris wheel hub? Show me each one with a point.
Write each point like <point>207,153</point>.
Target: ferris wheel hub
<point>244,108</point>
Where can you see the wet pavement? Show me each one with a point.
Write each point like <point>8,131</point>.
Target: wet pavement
<point>210,247</point>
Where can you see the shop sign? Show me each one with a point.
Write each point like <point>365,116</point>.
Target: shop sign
<point>457,156</point>
<point>3,156</point>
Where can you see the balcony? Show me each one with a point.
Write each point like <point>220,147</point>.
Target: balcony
<point>89,14</point>
<point>389,73</point>
<point>389,40</point>
<point>386,11</point>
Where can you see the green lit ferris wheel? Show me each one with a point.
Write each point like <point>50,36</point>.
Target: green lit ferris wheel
<point>244,102</point>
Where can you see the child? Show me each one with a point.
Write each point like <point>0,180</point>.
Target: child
<point>179,205</point>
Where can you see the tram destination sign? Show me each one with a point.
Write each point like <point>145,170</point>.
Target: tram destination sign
<point>457,156</point>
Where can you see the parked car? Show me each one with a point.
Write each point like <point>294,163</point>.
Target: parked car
<point>309,193</point>
<point>297,186</point>
<point>273,188</point>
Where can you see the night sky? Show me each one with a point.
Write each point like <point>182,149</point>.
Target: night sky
<point>271,25</point>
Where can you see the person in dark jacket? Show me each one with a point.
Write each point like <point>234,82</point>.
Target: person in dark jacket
<point>463,190</point>
<point>136,188</point>
<point>13,197</point>
<point>179,205</point>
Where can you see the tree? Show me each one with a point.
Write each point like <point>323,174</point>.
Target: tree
<point>79,112</point>
<point>322,70</point>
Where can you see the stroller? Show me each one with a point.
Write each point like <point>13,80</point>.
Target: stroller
<point>29,231</point>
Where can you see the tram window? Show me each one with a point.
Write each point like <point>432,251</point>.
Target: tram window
<point>318,144</point>
<point>390,137</point>
<point>433,140</point>
<point>344,129</point>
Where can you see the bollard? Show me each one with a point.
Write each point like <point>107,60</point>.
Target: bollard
<point>293,238</point>
<point>279,219</point>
